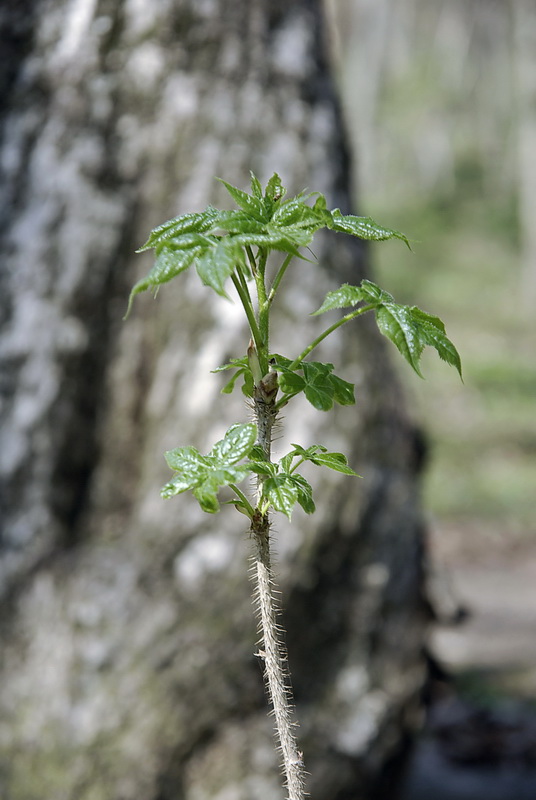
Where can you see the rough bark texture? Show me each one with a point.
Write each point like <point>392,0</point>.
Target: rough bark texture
<point>127,665</point>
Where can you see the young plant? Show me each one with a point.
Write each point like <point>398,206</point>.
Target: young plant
<point>233,247</point>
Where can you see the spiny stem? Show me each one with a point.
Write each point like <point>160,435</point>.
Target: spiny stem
<point>273,650</point>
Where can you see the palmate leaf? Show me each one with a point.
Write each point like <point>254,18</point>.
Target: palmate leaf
<point>408,327</point>
<point>411,330</point>
<point>204,475</point>
<point>284,487</point>
<point>319,455</point>
<point>284,490</point>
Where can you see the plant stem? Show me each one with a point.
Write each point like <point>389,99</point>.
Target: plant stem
<point>243,498</point>
<point>279,277</point>
<point>245,299</point>
<point>264,309</point>
<point>352,315</point>
<point>273,650</point>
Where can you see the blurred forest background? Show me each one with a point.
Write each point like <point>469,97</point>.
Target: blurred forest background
<point>440,102</point>
<point>440,99</point>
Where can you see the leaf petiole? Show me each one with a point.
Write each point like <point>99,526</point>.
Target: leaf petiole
<point>245,299</point>
<point>279,277</point>
<point>347,317</point>
<point>242,497</point>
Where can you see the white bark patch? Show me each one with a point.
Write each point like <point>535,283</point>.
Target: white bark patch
<point>76,22</point>
<point>203,556</point>
<point>357,731</point>
<point>292,49</point>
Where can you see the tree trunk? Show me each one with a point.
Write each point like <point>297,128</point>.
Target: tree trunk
<point>128,635</point>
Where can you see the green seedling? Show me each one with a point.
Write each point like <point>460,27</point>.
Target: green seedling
<point>233,247</point>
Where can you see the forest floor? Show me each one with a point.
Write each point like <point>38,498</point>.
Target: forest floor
<point>479,742</point>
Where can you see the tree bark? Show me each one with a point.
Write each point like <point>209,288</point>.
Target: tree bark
<point>127,666</point>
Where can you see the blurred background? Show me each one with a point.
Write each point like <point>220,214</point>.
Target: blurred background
<point>440,103</point>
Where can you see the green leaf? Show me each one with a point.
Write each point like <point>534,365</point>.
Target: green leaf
<point>235,445</point>
<point>343,391</point>
<point>305,493</point>
<point>218,264</point>
<point>291,382</point>
<point>188,460</point>
<point>168,264</point>
<point>432,332</point>
<point>348,295</point>
<point>275,240</point>
<point>251,205</point>
<point>249,385</point>
<point>321,388</point>
<point>262,467</point>
<point>296,213</point>
<point>319,455</point>
<point>374,294</point>
<point>206,496</point>
<point>284,464</point>
<point>335,461</point>
<point>206,474</point>
<point>186,223</point>
<point>242,369</point>
<point>318,388</point>
<point>343,297</point>
<point>281,493</point>
<point>234,363</point>
<point>396,323</point>
<point>230,385</point>
<point>411,330</point>
<point>275,189</point>
<point>239,222</point>
<point>364,228</point>
<point>256,188</point>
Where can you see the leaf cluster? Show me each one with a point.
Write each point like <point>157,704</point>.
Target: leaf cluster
<point>205,475</point>
<point>282,485</point>
<point>316,380</point>
<point>216,241</point>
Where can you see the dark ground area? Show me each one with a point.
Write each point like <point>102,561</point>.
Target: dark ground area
<point>479,742</point>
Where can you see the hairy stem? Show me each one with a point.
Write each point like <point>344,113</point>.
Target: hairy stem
<point>272,647</point>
